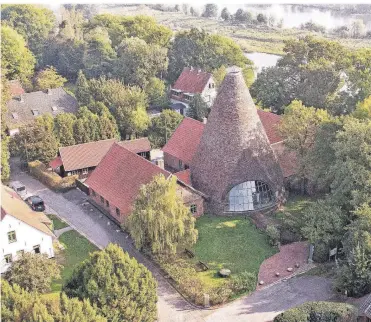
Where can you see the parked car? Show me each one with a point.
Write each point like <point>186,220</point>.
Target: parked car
<point>20,189</point>
<point>36,203</point>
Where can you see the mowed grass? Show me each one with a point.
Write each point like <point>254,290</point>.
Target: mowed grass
<point>57,223</point>
<point>77,249</point>
<point>230,242</point>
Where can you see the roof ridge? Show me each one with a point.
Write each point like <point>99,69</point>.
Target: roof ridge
<point>69,146</point>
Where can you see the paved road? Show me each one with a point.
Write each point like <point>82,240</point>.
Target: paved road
<point>261,306</point>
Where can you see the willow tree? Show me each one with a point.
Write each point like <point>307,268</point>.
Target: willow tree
<point>160,222</point>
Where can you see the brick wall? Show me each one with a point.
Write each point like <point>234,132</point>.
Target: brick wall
<point>172,163</point>
<point>108,210</point>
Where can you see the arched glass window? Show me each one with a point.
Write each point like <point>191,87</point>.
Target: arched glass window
<point>250,195</point>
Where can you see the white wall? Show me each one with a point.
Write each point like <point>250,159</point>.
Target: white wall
<point>27,237</point>
<point>209,94</point>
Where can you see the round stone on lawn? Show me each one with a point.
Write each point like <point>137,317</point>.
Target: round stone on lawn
<point>261,283</point>
<point>224,272</point>
<point>290,269</point>
<point>277,274</point>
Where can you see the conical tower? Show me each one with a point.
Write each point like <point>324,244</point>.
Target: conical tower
<point>234,164</point>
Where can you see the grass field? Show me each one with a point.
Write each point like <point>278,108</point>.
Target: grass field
<point>57,223</point>
<point>294,207</point>
<point>250,38</point>
<point>230,242</point>
<point>77,249</point>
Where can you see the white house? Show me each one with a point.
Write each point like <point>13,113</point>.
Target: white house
<point>22,229</point>
<point>190,82</point>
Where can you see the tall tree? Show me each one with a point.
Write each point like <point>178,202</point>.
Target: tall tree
<point>120,287</point>
<point>64,125</point>
<point>83,95</point>
<point>210,11</point>
<point>198,108</point>
<point>203,50</point>
<point>171,227</point>
<point>138,61</point>
<point>33,22</point>
<point>225,14</point>
<point>363,109</point>
<point>156,92</point>
<point>162,127</point>
<point>33,272</point>
<point>48,78</point>
<point>298,128</point>
<point>17,61</point>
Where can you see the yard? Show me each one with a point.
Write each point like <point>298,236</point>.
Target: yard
<point>57,223</point>
<point>230,242</point>
<point>76,250</point>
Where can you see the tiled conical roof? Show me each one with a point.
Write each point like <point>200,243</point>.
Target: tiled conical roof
<point>234,147</point>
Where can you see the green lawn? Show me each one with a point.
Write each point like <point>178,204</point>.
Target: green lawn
<point>57,223</point>
<point>230,242</point>
<point>77,249</point>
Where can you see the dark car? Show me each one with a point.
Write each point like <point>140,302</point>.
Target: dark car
<point>36,203</point>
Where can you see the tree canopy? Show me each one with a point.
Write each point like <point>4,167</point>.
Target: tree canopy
<point>48,78</point>
<point>120,287</point>
<point>160,222</point>
<point>198,108</point>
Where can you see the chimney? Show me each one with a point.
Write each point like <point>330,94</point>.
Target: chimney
<point>204,120</point>
<point>49,91</point>
<point>21,98</point>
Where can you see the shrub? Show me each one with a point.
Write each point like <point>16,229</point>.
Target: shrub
<point>321,252</point>
<point>51,179</point>
<point>273,234</point>
<point>319,312</point>
<point>244,282</point>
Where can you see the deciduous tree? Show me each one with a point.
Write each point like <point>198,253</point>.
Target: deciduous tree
<point>48,78</point>
<point>33,272</point>
<point>120,287</point>
<point>198,108</point>
<point>63,126</point>
<point>83,95</point>
<point>160,222</point>
<point>225,14</point>
<point>210,11</point>
<point>162,127</point>
<point>156,92</point>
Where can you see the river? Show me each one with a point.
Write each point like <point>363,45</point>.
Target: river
<point>262,60</point>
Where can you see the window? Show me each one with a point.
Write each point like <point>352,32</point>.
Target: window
<point>93,193</point>
<point>54,108</point>
<point>12,237</point>
<point>188,97</point>
<point>85,171</point>
<point>250,195</point>
<point>118,212</point>
<point>180,164</point>
<point>15,116</point>
<point>35,112</point>
<point>143,154</point>
<point>8,258</point>
<point>209,85</point>
<point>74,172</point>
<point>176,92</point>
<point>193,209</point>
<point>101,199</point>
<point>107,203</point>
<point>36,249</point>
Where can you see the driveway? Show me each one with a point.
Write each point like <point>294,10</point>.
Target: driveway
<point>261,306</point>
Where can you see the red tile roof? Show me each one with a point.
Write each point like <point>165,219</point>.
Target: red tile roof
<point>89,154</point>
<point>184,141</point>
<point>184,176</point>
<point>15,88</point>
<point>137,145</point>
<point>119,176</point>
<point>84,155</point>
<point>270,122</point>
<point>55,163</point>
<point>192,80</point>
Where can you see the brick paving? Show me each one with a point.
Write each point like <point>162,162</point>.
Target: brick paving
<point>289,255</point>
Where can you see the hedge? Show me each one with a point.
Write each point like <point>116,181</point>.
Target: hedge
<point>51,179</point>
<point>319,312</point>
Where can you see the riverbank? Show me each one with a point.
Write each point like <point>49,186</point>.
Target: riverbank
<point>250,38</point>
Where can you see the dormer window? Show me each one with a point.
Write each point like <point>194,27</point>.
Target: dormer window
<point>15,116</point>
<point>54,108</point>
<point>35,112</point>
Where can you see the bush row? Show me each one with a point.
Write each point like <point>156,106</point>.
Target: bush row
<point>319,312</point>
<point>193,288</point>
<point>51,179</point>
